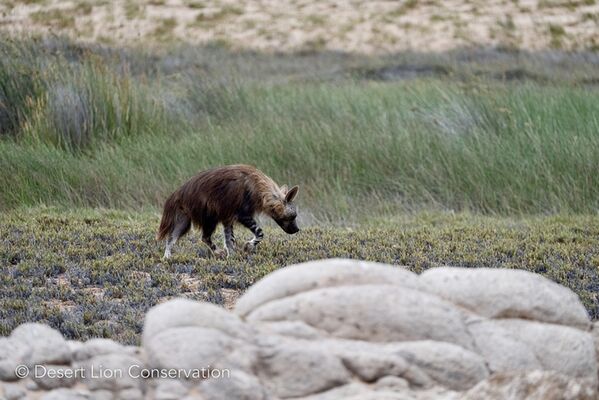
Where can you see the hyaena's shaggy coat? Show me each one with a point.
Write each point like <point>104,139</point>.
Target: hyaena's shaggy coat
<point>234,193</point>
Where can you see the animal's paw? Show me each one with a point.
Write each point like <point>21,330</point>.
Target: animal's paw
<point>221,253</point>
<point>249,247</point>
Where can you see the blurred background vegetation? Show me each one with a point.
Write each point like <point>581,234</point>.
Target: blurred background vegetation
<point>489,131</point>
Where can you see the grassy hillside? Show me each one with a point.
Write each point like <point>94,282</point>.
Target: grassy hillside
<point>95,273</point>
<point>95,127</point>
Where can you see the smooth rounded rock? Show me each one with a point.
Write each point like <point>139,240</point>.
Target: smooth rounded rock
<point>507,293</point>
<point>179,313</point>
<point>111,372</point>
<point>45,345</point>
<point>377,313</point>
<point>289,369</point>
<point>450,366</point>
<point>371,361</point>
<point>54,376</point>
<point>559,348</point>
<point>595,333</point>
<point>188,348</point>
<point>312,275</point>
<point>502,350</point>
<point>12,354</point>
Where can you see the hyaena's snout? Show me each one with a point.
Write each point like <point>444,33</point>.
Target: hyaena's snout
<point>289,226</point>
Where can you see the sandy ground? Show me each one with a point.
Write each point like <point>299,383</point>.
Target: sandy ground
<point>291,25</point>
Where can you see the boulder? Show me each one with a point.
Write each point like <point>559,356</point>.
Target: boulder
<point>44,344</point>
<point>181,313</point>
<point>188,348</point>
<point>377,313</point>
<point>12,354</point>
<point>558,348</point>
<point>502,350</point>
<point>371,361</point>
<point>450,366</point>
<point>312,275</point>
<point>293,369</point>
<point>239,386</point>
<point>595,333</point>
<point>111,372</point>
<point>54,376</point>
<point>507,293</point>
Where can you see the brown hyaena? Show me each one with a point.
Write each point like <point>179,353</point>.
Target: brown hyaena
<point>230,194</point>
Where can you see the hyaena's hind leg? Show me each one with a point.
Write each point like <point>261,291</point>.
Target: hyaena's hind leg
<point>181,227</point>
<point>250,223</point>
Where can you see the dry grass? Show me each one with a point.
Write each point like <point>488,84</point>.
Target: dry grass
<point>372,27</point>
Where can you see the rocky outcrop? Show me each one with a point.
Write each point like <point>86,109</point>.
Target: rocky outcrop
<point>333,329</point>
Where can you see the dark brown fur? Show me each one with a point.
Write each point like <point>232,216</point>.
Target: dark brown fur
<point>223,195</point>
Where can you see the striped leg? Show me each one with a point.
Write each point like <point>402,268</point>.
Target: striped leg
<point>229,239</point>
<point>251,224</point>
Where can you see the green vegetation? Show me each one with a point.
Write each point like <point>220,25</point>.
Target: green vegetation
<point>382,148</point>
<point>95,273</point>
<point>86,127</point>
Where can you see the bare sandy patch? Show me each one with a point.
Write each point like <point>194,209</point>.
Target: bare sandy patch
<point>292,25</point>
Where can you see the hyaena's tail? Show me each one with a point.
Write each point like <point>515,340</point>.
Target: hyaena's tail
<point>169,216</point>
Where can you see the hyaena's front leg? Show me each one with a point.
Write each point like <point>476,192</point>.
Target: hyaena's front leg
<point>229,238</point>
<point>251,224</point>
<point>207,230</point>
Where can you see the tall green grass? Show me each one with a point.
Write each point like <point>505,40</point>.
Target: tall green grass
<point>84,131</point>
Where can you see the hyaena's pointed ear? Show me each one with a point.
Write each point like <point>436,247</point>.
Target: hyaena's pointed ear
<point>291,194</point>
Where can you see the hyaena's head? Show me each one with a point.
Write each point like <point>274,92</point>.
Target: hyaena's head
<point>286,213</point>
